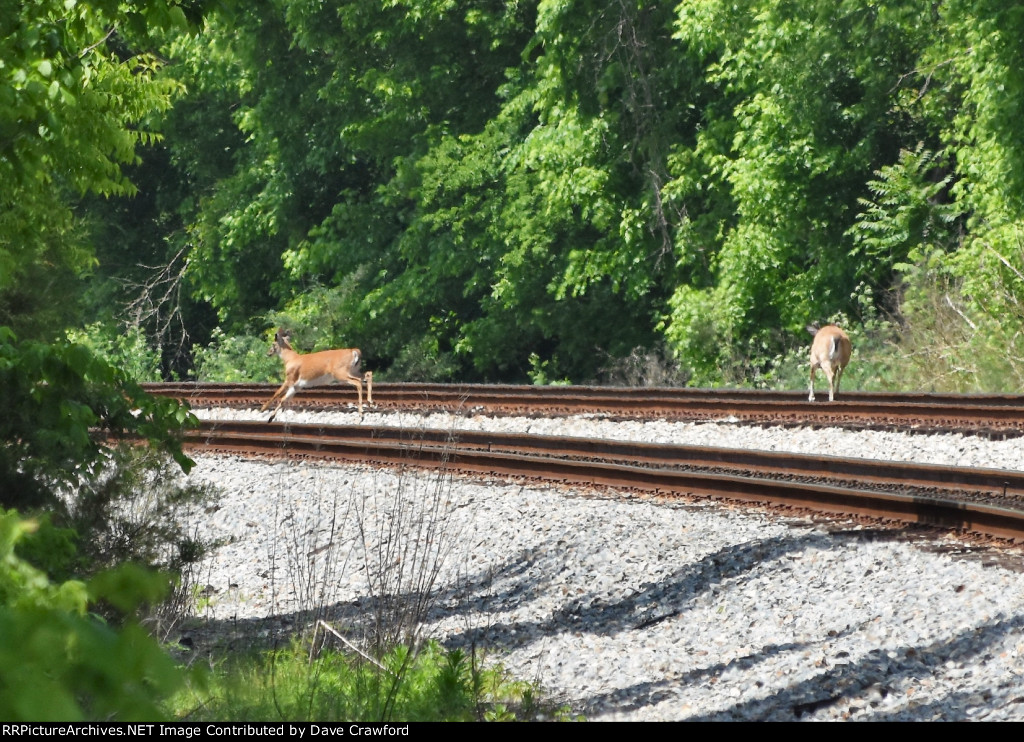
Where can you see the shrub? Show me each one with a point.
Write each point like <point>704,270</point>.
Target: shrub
<point>236,358</point>
<point>643,367</point>
<point>126,350</point>
<point>422,360</point>
<point>98,505</point>
<point>58,662</point>
<point>59,403</point>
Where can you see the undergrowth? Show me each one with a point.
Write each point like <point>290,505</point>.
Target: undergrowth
<point>430,685</point>
<point>364,565</point>
<point>931,342</point>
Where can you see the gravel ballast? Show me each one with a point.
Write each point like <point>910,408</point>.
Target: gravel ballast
<point>629,608</point>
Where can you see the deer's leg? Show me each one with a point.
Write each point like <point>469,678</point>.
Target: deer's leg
<point>288,395</point>
<point>368,378</point>
<point>827,368</point>
<point>358,384</point>
<point>810,397</point>
<point>274,398</point>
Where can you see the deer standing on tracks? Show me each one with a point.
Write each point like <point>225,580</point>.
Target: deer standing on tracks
<point>831,353</point>
<point>314,369</point>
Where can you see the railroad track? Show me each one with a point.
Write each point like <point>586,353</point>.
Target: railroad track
<point>620,615</point>
<point>989,414</point>
<point>987,503</point>
<point>976,502</point>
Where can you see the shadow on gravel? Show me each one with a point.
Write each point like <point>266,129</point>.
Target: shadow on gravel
<point>844,690</point>
<point>527,577</point>
<point>836,692</point>
<point>653,602</point>
<point>522,579</point>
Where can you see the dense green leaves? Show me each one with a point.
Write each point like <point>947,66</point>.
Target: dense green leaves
<point>73,107</point>
<point>805,114</point>
<point>459,187</point>
<point>55,397</point>
<point>57,663</point>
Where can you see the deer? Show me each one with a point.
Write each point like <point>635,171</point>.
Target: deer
<point>830,352</point>
<point>313,369</point>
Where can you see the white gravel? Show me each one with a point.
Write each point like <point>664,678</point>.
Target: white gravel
<point>628,608</point>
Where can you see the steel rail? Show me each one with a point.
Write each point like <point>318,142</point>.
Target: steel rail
<point>1005,483</point>
<point>259,390</point>
<point>843,491</point>
<point>990,414</point>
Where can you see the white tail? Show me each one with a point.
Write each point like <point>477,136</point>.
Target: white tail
<point>831,353</point>
<point>313,369</point>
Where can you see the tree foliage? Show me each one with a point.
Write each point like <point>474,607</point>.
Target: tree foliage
<point>55,397</point>
<point>57,663</point>
<point>459,187</point>
<point>75,103</point>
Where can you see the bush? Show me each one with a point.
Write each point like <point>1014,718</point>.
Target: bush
<point>58,662</point>
<point>422,360</point>
<point>433,685</point>
<point>59,403</point>
<point>945,347</point>
<point>643,367</point>
<point>323,317</point>
<point>132,514</point>
<point>98,505</point>
<point>236,358</point>
<point>126,350</point>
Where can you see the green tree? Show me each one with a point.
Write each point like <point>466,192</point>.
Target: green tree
<point>812,100</point>
<point>459,187</point>
<point>74,105</point>
<point>551,220</point>
<point>981,60</point>
<point>335,104</point>
<point>54,396</point>
<point>485,181</point>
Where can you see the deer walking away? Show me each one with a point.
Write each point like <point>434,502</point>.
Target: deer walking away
<point>830,352</point>
<point>314,369</point>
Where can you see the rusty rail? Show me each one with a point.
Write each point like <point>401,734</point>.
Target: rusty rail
<point>976,501</point>
<point>991,414</point>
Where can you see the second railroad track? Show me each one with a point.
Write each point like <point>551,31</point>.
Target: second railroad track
<point>982,502</point>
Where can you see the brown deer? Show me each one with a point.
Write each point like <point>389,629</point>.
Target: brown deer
<point>831,353</point>
<point>314,369</point>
